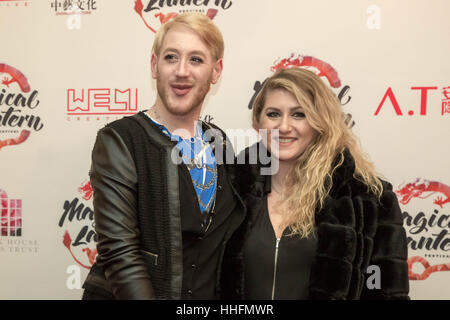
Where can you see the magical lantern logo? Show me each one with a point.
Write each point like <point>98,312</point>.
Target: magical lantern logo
<point>153,17</point>
<point>320,67</point>
<point>427,233</point>
<point>77,221</point>
<point>324,69</point>
<point>18,106</point>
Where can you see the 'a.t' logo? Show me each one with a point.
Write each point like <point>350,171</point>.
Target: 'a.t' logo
<point>389,95</point>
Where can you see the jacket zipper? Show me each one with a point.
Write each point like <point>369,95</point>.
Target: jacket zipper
<point>154,255</point>
<point>275,268</point>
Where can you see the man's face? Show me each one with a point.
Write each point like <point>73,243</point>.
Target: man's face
<point>184,71</point>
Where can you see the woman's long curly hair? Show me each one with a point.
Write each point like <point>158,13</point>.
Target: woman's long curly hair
<point>310,179</point>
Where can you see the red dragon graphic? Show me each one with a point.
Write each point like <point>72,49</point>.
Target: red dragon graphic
<point>16,76</point>
<point>24,134</point>
<point>420,186</point>
<point>67,241</point>
<point>428,268</point>
<point>325,69</point>
<point>86,190</point>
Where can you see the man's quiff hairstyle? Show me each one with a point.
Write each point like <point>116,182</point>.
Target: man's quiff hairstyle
<point>199,23</point>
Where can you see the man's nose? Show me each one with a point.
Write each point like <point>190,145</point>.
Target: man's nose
<point>183,68</point>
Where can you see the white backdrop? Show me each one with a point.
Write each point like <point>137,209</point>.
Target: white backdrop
<point>100,49</point>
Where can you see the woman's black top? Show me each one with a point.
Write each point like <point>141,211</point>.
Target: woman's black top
<point>276,268</point>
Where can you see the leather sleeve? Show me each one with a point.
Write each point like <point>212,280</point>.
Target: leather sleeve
<point>114,180</point>
<point>390,252</point>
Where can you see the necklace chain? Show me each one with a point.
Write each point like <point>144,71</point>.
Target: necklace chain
<point>197,160</point>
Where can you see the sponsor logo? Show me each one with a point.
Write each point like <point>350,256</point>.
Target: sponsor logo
<point>11,230</point>
<point>151,11</point>
<point>422,108</point>
<point>446,100</point>
<point>70,7</point>
<point>77,221</point>
<point>15,3</point>
<point>11,216</point>
<point>428,233</point>
<point>95,103</point>
<point>17,107</point>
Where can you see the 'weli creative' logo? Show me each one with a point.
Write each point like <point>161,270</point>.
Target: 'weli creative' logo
<point>98,103</point>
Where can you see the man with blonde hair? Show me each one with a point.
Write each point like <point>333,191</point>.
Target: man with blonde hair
<point>164,202</point>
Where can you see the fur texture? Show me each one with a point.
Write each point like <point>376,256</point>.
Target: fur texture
<point>355,230</point>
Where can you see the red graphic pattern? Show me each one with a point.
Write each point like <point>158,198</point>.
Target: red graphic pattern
<point>10,215</point>
<point>86,190</point>
<point>325,69</point>
<point>428,268</point>
<point>91,254</point>
<point>138,7</point>
<point>16,76</point>
<point>163,18</point>
<point>417,188</point>
<point>211,13</point>
<point>446,100</point>
<point>24,134</point>
<point>67,241</point>
<point>4,213</point>
<point>446,93</point>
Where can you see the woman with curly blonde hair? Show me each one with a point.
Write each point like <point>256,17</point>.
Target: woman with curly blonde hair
<point>324,225</point>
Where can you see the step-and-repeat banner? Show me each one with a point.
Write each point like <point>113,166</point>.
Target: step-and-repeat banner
<point>69,67</point>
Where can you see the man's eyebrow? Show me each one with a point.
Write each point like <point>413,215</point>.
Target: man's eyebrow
<point>198,52</point>
<point>170,49</point>
<point>194,52</point>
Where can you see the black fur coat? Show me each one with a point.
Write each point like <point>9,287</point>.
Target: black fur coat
<point>354,230</point>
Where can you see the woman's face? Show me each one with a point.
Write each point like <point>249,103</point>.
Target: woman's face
<point>283,112</point>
